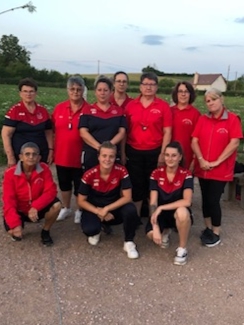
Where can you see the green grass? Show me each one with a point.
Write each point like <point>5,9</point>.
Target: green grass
<point>49,97</point>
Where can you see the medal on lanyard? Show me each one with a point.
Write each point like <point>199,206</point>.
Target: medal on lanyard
<point>70,123</point>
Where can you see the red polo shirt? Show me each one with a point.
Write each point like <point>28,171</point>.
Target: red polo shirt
<point>213,136</point>
<point>184,122</point>
<point>67,142</point>
<point>125,102</point>
<point>145,125</point>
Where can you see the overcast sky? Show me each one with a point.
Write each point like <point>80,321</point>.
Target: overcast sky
<point>78,36</point>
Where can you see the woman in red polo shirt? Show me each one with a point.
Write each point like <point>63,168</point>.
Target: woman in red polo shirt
<point>185,117</point>
<point>119,96</point>
<point>68,144</point>
<point>149,122</point>
<point>215,141</point>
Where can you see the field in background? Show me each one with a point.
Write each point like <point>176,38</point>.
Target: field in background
<point>136,77</point>
<point>49,97</point>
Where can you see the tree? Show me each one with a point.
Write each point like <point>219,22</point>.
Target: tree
<point>12,52</point>
<point>29,6</point>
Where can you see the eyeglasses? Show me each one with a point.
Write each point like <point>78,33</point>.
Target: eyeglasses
<point>28,92</point>
<point>121,81</point>
<point>148,85</point>
<point>31,154</point>
<point>73,90</point>
<point>183,92</point>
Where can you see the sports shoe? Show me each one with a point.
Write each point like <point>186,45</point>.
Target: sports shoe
<point>77,217</point>
<point>206,233</point>
<point>94,240</point>
<point>165,239</point>
<point>15,238</point>
<point>212,240</point>
<point>181,256</point>
<point>64,213</point>
<point>130,249</point>
<point>46,238</point>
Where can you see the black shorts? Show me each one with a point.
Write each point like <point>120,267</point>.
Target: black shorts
<point>68,176</point>
<point>166,220</point>
<point>41,214</point>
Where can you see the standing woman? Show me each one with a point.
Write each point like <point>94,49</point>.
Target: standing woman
<point>27,121</point>
<point>185,117</point>
<point>149,122</point>
<point>100,122</point>
<point>68,144</point>
<point>215,141</point>
<point>171,189</point>
<point>119,97</point>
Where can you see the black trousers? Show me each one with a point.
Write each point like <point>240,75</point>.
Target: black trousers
<point>91,224</point>
<point>211,194</point>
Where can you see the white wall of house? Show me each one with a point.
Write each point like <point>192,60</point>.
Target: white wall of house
<point>219,83</point>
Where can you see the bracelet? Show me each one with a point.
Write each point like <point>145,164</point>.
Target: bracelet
<point>199,158</point>
<point>50,149</point>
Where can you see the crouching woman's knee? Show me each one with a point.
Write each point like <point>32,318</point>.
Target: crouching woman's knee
<point>182,215</point>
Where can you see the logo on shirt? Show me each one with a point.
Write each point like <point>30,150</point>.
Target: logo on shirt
<point>38,181</point>
<point>21,114</point>
<point>96,182</point>
<point>114,181</point>
<point>155,111</point>
<point>187,121</point>
<point>161,181</point>
<point>93,111</point>
<point>222,131</point>
<point>39,116</point>
<point>177,184</point>
<point>114,111</point>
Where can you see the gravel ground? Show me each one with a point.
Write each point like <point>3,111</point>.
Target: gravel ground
<point>74,283</point>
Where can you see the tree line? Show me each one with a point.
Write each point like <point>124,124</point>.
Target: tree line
<point>15,65</point>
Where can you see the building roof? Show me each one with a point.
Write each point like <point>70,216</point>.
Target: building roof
<point>207,79</point>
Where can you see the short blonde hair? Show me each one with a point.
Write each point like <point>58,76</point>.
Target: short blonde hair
<point>213,93</point>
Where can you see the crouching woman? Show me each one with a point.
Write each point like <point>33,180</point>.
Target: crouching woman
<point>29,194</point>
<point>171,189</point>
<point>105,197</point>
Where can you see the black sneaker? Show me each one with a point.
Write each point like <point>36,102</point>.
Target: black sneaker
<point>212,240</point>
<point>46,238</point>
<point>206,233</point>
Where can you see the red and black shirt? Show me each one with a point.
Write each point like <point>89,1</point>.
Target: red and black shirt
<point>103,126</point>
<point>28,126</point>
<point>100,192</point>
<point>169,192</point>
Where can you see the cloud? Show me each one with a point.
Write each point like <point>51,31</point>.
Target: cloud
<point>191,48</point>
<point>153,39</point>
<point>226,45</point>
<point>239,20</point>
<point>132,27</point>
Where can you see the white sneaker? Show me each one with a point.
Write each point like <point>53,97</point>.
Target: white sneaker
<point>94,240</point>
<point>64,213</point>
<point>165,239</point>
<point>181,256</point>
<point>77,217</point>
<point>130,249</point>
